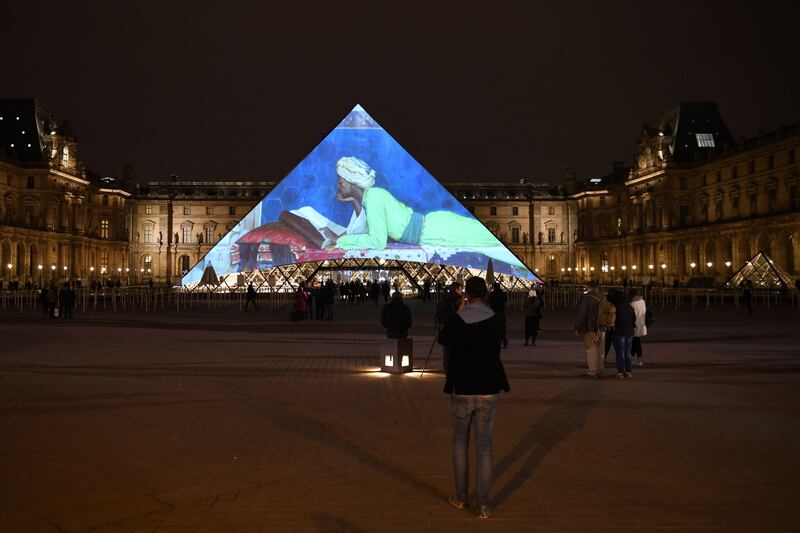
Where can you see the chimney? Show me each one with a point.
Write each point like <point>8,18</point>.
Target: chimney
<point>569,176</point>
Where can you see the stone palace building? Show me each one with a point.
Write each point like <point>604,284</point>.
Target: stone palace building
<point>695,206</point>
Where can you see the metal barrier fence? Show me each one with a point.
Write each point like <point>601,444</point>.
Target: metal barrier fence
<point>166,299</point>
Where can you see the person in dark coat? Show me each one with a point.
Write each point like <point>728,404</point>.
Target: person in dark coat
<point>396,317</point>
<point>474,378</point>
<point>497,301</point>
<point>624,328</point>
<point>747,297</point>
<point>385,290</point>
<point>250,298</point>
<point>533,313</point>
<point>330,295</point>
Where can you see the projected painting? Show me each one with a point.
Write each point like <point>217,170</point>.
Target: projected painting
<point>358,194</point>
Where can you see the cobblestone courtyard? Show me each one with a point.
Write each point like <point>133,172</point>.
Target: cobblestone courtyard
<point>230,421</point>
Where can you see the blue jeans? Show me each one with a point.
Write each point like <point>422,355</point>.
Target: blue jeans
<point>481,410</point>
<point>622,346</point>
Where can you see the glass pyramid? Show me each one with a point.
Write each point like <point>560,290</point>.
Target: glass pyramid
<point>358,195</point>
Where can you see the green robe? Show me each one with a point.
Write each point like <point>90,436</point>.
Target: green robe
<point>387,218</point>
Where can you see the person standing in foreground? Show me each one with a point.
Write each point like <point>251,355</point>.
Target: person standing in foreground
<point>474,379</point>
<point>587,326</point>
<point>640,309</point>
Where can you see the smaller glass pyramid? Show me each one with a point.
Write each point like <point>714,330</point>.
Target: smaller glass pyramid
<point>762,271</point>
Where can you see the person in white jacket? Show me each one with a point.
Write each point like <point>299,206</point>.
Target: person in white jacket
<point>639,309</point>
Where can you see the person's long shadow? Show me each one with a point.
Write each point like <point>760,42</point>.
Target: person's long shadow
<point>553,428</point>
<point>289,419</point>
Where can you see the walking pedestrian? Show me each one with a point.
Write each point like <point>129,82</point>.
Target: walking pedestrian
<point>250,298</point>
<point>640,310</point>
<point>300,302</point>
<point>533,313</point>
<point>448,306</point>
<point>330,297</point>
<point>474,378</point>
<point>747,297</point>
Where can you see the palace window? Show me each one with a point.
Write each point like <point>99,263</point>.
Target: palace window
<point>147,263</point>
<point>515,211</point>
<point>493,211</point>
<point>551,235</point>
<point>104,229</point>
<point>148,209</point>
<point>105,199</point>
<point>148,234</point>
<point>515,235</point>
<point>187,210</point>
<point>187,234</point>
<point>185,263</point>
<point>602,201</point>
<point>104,261</point>
<point>209,234</point>
<point>30,184</point>
<point>65,155</point>
<point>231,210</point>
<point>209,210</point>
<point>705,140</point>
<point>551,210</point>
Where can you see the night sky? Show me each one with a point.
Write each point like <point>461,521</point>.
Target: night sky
<point>489,92</point>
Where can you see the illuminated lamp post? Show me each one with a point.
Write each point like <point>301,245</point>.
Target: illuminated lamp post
<point>65,272</point>
<point>141,273</point>
<point>40,275</point>
<point>692,265</point>
<point>53,272</point>
<point>709,265</point>
<point>633,269</point>
<point>569,274</point>
<point>9,271</point>
<point>591,272</point>
<point>728,265</point>
<point>562,274</point>
<point>663,274</point>
<point>91,275</point>
<point>612,274</point>
<point>624,274</point>
<point>127,275</point>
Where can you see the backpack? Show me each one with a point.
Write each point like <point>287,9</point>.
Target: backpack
<point>648,318</point>
<point>606,314</point>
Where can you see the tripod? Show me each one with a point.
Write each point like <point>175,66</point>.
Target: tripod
<point>430,350</point>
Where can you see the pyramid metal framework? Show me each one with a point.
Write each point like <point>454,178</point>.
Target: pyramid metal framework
<point>762,271</point>
<point>321,262</point>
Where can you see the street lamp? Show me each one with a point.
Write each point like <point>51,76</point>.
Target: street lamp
<point>40,275</point>
<point>709,265</point>
<point>612,275</point>
<point>9,272</point>
<point>692,265</point>
<point>53,272</point>
<point>663,274</point>
<point>65,272</point>
<point>633,268</point>
<point>141,272</point>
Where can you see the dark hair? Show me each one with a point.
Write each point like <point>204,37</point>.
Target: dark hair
<point>476,287</point>
<point>592,284</point>
<point>633,294</point>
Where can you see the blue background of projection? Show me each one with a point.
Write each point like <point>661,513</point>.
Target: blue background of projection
<point>313,181</point>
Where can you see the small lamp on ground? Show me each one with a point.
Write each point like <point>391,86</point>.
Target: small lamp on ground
<point>397,356</point>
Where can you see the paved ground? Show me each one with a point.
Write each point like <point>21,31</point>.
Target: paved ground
<point>245,422</point>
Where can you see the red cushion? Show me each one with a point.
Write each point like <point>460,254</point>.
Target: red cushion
<point>276,233</point>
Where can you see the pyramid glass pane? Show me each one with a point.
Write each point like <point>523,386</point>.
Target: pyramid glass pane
<point>358,195</point>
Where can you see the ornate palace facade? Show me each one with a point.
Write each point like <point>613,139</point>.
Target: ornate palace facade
<point>696,205</point>
<point>694,197</point>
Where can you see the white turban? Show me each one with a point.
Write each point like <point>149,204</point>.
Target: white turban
<point>355,171</point>
<point>532,293</point>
